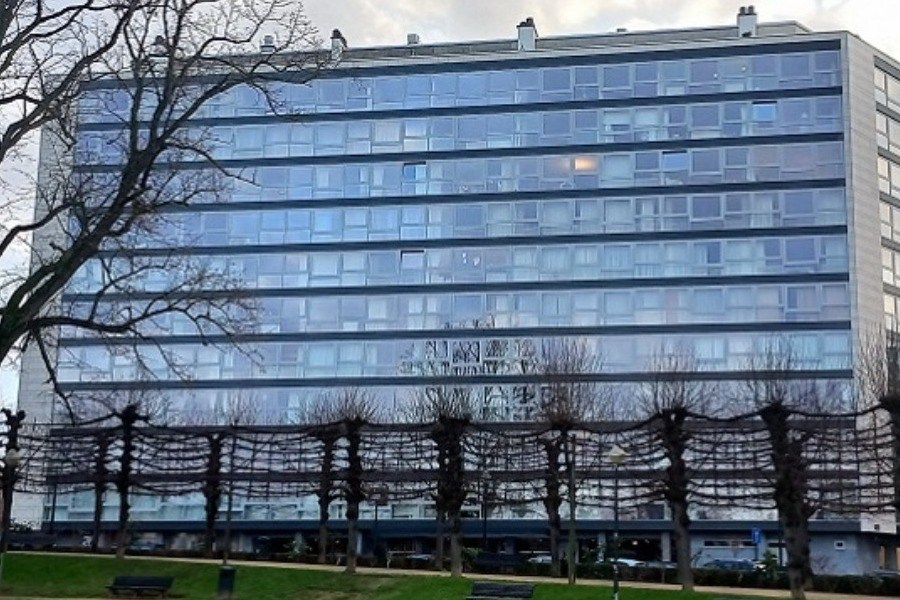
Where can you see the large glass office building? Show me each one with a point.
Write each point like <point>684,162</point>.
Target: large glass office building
<point>708,189</point>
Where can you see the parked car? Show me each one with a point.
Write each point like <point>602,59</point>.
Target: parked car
<point>661,564</point>
<point>731,564</point>
<point>629,562</point>
<point>886,573</point>
<point>541,559</point>
<point>145,546</point>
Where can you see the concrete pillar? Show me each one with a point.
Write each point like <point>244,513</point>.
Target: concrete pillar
<point>665,544</point>
<point>890,556</point>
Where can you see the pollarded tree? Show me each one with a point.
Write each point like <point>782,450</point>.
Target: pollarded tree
<point>448,412</point>
<point>782,397</point>
<point>327,432</point>
<point>128,418</point>
<point>568,398</point>
<point>667,402</point>
<point>353,408</point>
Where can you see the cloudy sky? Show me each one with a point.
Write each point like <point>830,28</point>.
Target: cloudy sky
<point>386,22</point>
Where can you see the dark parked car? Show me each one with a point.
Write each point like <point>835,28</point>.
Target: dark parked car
<point>145,546</point>
<point>729,564</point>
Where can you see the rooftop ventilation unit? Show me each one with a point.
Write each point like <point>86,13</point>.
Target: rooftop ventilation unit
<point>746,21</point>
<point>527,35</point>
<point>267,46</point>
<point>338,44</point>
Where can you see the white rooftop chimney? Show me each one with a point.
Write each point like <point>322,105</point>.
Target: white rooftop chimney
<point>527,35</point>
<point>412,39</point>
<point>746,21</point>
<point>338,44</point>
<point>267,46</point>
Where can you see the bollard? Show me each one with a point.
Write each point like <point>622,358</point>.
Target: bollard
<point>226,582</point>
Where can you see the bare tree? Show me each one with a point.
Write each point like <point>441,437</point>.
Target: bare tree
<point>669,400</point>
<point>150,69</point>
<point>878,374</point>
<point>212,491</point>
<point>101,475</point>
<point>327,431</point>
<point>781,399</point>
<point>12,423</point>
<point>452,415</point>
<point>568,398</point>
<point>354,408</point>
<point>448,411</point>
<point>128,418</point>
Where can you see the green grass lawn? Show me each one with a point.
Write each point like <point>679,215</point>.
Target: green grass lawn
<point>62,576</point>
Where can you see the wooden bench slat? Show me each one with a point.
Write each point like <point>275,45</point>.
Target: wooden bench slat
<point>140,585</point>
<point>490,590</point>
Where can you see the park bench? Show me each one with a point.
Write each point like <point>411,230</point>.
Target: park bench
<point>140,585</point>
<point>492,590</point>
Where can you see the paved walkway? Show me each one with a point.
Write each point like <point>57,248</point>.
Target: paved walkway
<point>739,592</point>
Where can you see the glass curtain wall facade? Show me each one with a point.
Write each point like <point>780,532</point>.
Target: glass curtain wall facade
<point>636,201</point>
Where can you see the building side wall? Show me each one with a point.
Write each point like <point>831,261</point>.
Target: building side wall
<point>36,395</point>
<point>867,301</point>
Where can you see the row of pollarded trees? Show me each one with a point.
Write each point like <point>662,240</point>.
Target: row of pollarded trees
<point>775,439</point>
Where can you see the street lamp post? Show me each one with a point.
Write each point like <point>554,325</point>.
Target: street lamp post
<point>227,572</point>
<point>616,456</point>
<point>378,499</point>
<point>485,480</point>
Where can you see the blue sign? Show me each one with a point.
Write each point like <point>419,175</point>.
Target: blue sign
<point>756,535</point>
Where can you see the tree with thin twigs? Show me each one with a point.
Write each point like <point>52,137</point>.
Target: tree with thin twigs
<point>353,409</point>
<point>452,414</point>
<point>128,419</point>
<point>327,432</point>
<point>448,410</point>
<point>105,198</point>
<point>781,400</point>
<point>667,402</point>
<point>221,451</point>
<point>568,398</point>
<point>212,491</point>
<point>878,374</point>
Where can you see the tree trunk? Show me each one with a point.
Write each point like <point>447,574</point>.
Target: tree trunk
<point>674,438</point>
<point>326,481</point>
<point>790,495</point>
<point>129,417</point>
<point>351,545</point>
<point>209,529</point>
<point>555,528</point>
<point>681,523</point>
<point>122,533</point>
<point>455,546</point>
<point>98,516</point>
<point>323,538</point>
<point>354,486</point>
<point>552,502</point>
<point>439,541</point>
<point>572,537</point>
<point>796,542</point>
<point>212,493</point>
